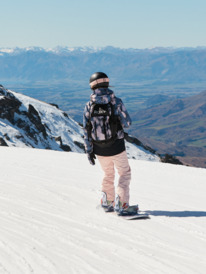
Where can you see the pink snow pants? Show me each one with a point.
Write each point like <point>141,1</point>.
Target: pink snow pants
<point>108,164</point>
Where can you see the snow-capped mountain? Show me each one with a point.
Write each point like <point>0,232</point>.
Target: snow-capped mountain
<point>51,222</point>
<point>63,64</point>
<point>27,122</point>
<point>108,49</point>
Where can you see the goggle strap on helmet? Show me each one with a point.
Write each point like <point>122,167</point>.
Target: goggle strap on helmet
<point>99,81</point>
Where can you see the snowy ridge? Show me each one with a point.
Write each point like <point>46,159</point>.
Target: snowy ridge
<point>58,122</point>
<point>90,49</point>
<point>139,153</point>
<point>27,122</point>
<point>56,50</point>
<point>50,222</point>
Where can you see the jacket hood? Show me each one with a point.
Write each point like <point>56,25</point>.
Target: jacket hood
<point>102,96</point>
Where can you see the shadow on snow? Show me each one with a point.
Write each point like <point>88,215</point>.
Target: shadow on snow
<point>176,213</point>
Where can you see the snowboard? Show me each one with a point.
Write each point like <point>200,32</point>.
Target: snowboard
<point>138,216</point>
<point>133,216</point>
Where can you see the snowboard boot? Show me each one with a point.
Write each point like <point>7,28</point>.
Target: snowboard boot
<point>107,205</point>
<point>119,205</point>
<point>123,208</point>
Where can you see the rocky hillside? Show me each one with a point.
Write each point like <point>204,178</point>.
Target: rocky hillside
<point>177,126</point>
<point>27,122</point>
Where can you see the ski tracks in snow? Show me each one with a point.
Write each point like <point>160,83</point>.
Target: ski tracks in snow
<point>49,223</point>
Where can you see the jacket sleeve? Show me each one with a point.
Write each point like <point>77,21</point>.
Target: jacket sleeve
<point>123,114</point>
<point>87,138</point>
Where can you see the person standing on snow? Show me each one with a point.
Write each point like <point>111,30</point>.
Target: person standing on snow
<point>104,118</point>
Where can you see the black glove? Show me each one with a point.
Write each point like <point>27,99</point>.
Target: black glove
<point>91,158</point>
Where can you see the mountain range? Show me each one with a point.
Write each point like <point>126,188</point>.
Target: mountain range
<point>163,65</point>
<point>61,75</point>
<point>177,126</point>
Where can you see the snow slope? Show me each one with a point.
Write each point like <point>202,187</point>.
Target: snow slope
<point>50,221</point>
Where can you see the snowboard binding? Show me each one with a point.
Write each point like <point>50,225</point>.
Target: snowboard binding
<point>107,205</point>
<point>122,209</point>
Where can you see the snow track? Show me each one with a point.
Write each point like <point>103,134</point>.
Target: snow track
<point>49,222</point>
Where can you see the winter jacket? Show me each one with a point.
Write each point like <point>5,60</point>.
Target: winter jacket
<point>104,96</point>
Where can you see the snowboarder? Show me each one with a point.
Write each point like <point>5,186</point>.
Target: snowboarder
<point>104,118</point>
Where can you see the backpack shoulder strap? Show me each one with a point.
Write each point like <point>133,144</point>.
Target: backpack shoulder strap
<point>88,124</point>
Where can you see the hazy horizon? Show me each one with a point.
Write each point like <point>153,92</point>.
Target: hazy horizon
<point>134,24</point>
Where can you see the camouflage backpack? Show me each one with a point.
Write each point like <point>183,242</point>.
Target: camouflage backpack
<point>103,124</point>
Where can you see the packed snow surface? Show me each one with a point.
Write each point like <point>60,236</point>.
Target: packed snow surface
<point>50,221</point>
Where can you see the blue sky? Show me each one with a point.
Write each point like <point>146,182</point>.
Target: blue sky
<point>119,23</point>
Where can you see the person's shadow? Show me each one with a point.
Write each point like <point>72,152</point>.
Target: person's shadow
<point>180,214</point>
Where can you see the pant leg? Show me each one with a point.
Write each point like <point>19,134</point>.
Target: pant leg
<point>122,165</point>
<point>109,175</point>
